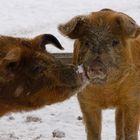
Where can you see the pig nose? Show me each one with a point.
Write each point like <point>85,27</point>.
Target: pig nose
<point>97,68</point>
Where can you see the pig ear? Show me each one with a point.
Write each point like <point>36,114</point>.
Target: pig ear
<point>41,40</point>
<point>12,59</point>
<point>73,28</point>
<point>138,31</point>
<point>128,26</point>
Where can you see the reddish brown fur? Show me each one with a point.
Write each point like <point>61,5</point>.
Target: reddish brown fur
<point>30,77</point>
<point>122,88</point>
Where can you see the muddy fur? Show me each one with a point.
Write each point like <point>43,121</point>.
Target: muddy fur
<point>108,43</point>
<point>30,77</point>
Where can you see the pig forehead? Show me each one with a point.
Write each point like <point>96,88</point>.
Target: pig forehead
<point>102,32</point>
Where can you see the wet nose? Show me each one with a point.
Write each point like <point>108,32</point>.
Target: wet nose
<point>97,68</point>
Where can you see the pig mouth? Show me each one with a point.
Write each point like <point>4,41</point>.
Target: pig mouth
<point>97,79</point>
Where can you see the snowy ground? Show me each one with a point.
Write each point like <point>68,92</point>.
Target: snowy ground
<point>28,18</point>
<point>39,125</point>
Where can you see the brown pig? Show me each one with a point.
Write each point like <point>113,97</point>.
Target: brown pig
<point>30,77</point>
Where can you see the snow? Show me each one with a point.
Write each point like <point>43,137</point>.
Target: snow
<point>42,123</point>
<point>27,18</point>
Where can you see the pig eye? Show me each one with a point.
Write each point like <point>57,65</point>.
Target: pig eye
<point>115,42</point>
<point>86,44</point>
<point>12,66</point>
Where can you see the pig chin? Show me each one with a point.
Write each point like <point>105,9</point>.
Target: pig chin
<point>104,78</point>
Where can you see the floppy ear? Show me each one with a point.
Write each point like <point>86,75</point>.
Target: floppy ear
<point>12,59</point>
<point>40,41</point>
<point>128,25</point>
<point>73,28</point>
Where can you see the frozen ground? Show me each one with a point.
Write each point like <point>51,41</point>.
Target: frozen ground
<point>28,18</point>
<point>39,125</point>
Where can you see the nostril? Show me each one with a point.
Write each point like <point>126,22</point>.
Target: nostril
<point>100,69</point>
<point>91,69</point>
<point>96,69</point>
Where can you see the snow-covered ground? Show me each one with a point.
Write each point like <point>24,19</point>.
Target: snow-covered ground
<point>28,18</point>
